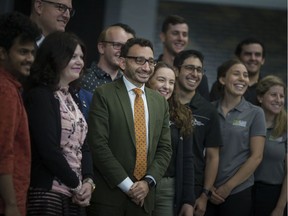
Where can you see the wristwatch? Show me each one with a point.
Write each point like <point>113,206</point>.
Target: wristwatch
<point>91,182</point>
<point>150,182</point>
<point>207,192</point>
<point>77,189</point>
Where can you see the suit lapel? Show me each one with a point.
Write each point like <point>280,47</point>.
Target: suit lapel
<point>124,99</point>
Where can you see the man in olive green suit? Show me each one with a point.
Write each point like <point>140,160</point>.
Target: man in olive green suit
<point>111,137</point>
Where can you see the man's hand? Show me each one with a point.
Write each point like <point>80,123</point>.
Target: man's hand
<point>216,198</point>
<point>200,205</point>
<point>138,192</point>
<point>186,210</point>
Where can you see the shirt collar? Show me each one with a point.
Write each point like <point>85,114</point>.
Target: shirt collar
<point>130,86</point>
<point>240,107</point>
<point>40,40</point>
<point>101,73</point>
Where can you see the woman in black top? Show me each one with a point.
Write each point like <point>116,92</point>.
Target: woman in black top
<point>175,191</point>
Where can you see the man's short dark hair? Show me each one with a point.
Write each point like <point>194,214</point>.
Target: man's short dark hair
<point>248,41</point>
<point>133,41</point>
<point>183,55</point>
<point>173,20</point>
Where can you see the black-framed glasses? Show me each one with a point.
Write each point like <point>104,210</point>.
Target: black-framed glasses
<point>140,60</point>
<point>115,45</point>
<point>61,7</point>
<point>192,68</point>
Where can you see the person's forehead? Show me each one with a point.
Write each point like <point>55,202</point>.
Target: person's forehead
<point>193,60</point>
<point>27,47</point>
<point>178,27</point>
<point>116,32</point>
<point>136,49</point>
<point>165,72</point>
<point>252,48</point>
<point>23,43</point>
<point>65,2</point>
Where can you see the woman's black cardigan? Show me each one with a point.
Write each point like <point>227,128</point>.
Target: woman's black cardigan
<point>184,169</point>
<point>48,162</point>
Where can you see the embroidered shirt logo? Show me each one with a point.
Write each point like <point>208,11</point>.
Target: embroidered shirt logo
<point>276,139</point>
<point>239,123</point>
<point>197,123</point>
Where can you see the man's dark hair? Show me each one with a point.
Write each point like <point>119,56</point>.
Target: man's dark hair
<point>173,20</point>
<point>133,41</point>
<point>248,41</point>
<point>183,55</point>
<point>16,25</point>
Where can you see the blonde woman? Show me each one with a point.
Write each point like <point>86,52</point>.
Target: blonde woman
<point>270,188</point>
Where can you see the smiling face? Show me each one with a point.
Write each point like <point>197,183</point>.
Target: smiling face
<point>19,58</point>
<point>163,81</point>
<point>72,71</point>
<point>50,18</point>
<point>136,73</point>
<point>273,100</point>
<point>236,80</point>
<point>175,39</point>
<point>252,57</point>
<point>110,53</point>
<point>189,80</point>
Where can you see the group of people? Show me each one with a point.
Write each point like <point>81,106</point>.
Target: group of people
<point>132,135</point>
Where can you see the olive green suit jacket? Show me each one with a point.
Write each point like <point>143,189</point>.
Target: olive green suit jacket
<point>112,141</point>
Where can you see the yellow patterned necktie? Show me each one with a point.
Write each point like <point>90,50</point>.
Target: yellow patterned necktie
<point>140,135</point>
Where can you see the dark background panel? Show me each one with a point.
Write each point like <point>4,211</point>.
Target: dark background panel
<point>215,30</point>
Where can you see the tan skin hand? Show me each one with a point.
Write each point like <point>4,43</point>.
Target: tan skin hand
<point>186,210</point>
<point>216,198</point>
<point>138,192</point>
<point>223,191</point>
<point>200,205</point>
<point>83,197</point>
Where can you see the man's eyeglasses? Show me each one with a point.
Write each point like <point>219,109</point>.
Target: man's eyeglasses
<point>61,7</point>
<point>141,60</point>
<point>192,68</point>
<point>116,45</point>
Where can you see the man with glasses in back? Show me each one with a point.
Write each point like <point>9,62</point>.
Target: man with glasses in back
<point>51,15</point>
<point>206,134</point>
<point>109,44</point>
<point>130,154</point>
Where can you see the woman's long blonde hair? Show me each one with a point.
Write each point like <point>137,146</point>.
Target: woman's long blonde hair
<point>280,122</point>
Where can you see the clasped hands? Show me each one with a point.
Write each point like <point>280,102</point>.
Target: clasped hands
<point>83,197</point>
<point>220,194</point>
<point>138,192</point>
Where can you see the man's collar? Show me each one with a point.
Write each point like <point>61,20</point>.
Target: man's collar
<point>130,86</point>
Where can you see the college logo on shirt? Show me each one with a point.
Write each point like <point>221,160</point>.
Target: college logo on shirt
<point>197,123</point>
<point>277,139</point>
<point>239,123</point>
